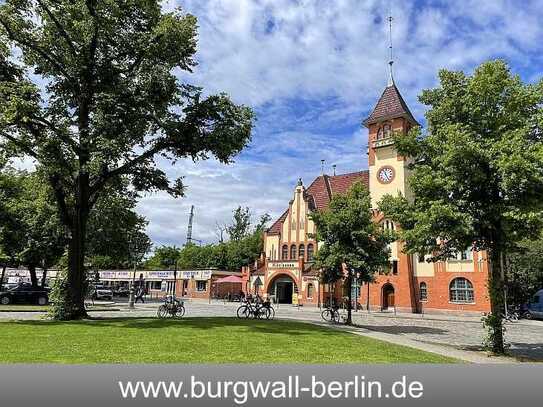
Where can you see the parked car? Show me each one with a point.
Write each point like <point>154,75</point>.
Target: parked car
<point>535,307</point>
<point>102,293</point>
<point>121,291</point>
<point>24,293</point>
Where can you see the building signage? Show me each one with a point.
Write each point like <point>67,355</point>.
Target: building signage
<point>160,275</point>
<point>195,274</point>
<point>283,265</point>
<point>157,275</point>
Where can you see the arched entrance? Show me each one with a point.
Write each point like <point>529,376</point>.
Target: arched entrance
<point>388,296</point>
<point>282,289</point>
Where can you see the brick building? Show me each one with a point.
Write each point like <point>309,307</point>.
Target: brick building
<point>413,284</point>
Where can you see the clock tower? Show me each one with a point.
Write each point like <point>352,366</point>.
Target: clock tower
<point>387,169</point>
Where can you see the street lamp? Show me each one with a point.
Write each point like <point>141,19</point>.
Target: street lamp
<point>138,246</point>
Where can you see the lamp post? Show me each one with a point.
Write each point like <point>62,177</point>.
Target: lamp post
<point>132,288</point>
<point>138,245</point>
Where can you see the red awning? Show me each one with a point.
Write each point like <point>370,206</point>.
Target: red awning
<point>230,279</point>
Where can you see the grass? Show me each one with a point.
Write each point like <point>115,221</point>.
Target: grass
<point>45,308</point>
<point>195,340</point>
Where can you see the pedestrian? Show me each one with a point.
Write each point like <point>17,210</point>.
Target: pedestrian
<point>139,295</point>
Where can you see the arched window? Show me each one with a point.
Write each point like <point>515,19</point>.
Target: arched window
<point>301,251</point>
<point>380,133</point>
<point>423,291</point>
<point>293,252</point>
<point>387,130</point>
<point>284,252</point>
<point>310,252</point>
<point>310,290</point>
<point>461,290</point>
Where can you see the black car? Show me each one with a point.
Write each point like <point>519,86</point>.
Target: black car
<point>24,293</point>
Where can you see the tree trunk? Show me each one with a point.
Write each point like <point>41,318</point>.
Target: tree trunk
<point>43,277</point>
<point>495,289</point>
<point>77,281</point>
<point>72,298</point>
<point>2,276</point>
<point>349,320</point>
<point>33,277</point>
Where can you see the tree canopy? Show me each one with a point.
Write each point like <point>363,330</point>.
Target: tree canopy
<point>476,173</point>
<point>90,92</point>
<point>352,245</point>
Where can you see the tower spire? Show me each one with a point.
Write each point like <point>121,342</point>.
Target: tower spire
<point>391,59</point>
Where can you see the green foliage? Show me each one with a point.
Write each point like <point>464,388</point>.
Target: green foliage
<point>164,257</point>
<point>112,103</point>
<point>525,271</point>
<point>349,235</point>
<point>240,251</point>
<point>477,174</point>
<point>30,232</point>
<point>353,245</point>
<point>60,307</point>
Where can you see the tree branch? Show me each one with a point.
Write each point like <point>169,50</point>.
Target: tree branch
<point>125,168</point>
<point>34,47</point>
<point>59,27</point>
<point>23,146</point>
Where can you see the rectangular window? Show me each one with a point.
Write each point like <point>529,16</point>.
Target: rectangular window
<point>394,267</point>
<point>155,285</point>
<point>201,285</point>
<point>421,258</point>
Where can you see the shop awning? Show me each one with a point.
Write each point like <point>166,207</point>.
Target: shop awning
<point>230,279</point>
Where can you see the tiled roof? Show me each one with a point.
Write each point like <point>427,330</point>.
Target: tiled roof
<point>321,190</point>
<point>390,105</point>
<point>276,227</point>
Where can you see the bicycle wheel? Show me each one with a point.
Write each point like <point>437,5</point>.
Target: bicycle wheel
<point>180,311</point>
<point>162,311</point>
<point>334,316</point>
<point>244,312</point>
<point>262,313</point>
<point>271,314</point>
<point>327,315</point>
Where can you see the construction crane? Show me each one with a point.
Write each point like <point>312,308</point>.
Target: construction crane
<point>190,239</point>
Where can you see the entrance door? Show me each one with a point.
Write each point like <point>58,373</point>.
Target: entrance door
<point>282,289</point>
<point>388,296</point>
<point>284,292</point>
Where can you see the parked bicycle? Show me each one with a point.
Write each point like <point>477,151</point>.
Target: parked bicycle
<point>331,314</point>
<point>257,310</point>
<point>172,307</point>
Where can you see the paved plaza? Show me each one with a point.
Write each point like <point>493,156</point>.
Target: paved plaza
<point>457,336</point>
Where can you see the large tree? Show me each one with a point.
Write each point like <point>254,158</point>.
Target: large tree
<point>104,102</point>
<point>352,246</point>
<point>477,173</point>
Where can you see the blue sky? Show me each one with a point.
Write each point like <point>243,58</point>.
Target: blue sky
<point>312,71</point>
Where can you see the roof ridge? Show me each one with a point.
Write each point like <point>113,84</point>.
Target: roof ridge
<point>328,185</point>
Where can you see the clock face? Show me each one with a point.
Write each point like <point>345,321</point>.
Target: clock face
<point>386,175</point>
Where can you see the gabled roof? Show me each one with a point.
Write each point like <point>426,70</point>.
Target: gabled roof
<point>320,192</point>
<point>276,227</point>
<point>390,106</point>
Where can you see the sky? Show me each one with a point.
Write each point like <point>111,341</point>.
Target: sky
<point>312,71</point>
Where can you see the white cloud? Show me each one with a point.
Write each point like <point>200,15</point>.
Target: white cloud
<point>313,70</point>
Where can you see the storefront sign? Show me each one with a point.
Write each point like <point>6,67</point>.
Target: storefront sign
<point>195,274</point>
<point>283,265</point>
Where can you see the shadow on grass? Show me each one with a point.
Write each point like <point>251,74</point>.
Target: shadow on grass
<point>201,323</point>
<point>399,329</point>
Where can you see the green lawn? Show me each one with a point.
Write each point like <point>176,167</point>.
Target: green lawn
<point>45,308</point>
<point>195,340</point>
